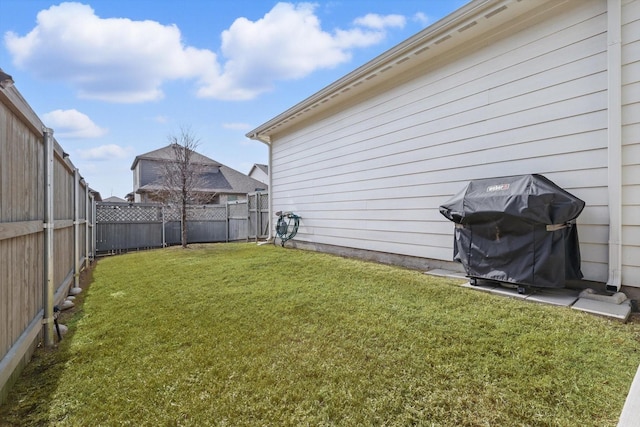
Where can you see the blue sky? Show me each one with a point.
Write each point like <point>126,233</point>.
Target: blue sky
<point>116,78</point>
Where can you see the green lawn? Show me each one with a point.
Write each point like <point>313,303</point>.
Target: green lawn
<point>241,335</point>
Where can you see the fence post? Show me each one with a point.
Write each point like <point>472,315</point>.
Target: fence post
<point>86,225</point>
<point>94,226</point>
<point>164,240</point>
<point>259,215</point>
<point>248,223</point>
<point>48,237</point>
<point>76,230</point>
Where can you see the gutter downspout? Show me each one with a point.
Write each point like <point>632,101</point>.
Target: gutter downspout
<point>614,137</point>
<point>266,139</point>
<point>270,201</point>
<point>49,278</point>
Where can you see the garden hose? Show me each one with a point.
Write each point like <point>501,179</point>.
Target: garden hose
<point>287,226</point>
<point>56,310</point>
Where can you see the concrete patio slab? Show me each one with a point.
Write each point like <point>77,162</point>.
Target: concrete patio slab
<point>445,273</point>
<point>561,297</point>
<point>508,292</point>
<point>486,287</point>
<point>617,311</point>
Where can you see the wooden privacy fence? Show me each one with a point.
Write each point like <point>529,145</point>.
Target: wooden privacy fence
<point>122,227</point>
<point>46,224</point>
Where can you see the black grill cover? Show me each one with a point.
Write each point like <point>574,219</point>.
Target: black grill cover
<point>516,229</point>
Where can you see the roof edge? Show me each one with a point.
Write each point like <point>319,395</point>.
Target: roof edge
<point>469,10</point>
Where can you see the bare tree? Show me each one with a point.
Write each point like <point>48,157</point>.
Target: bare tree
<point>181,177</point>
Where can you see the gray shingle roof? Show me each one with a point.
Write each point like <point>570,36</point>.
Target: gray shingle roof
<point>219,178</point>
<point>166,153</point>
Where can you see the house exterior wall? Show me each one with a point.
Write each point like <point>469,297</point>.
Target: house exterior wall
<point>149,171</point>
<point>528,98</point>
<point>136,178</point>
<point>260,175</point>
<point>631,143</point>
<point>144,173</point>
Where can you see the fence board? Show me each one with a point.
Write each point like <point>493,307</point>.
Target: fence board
<point>9,230</point>
<point>22,249</point>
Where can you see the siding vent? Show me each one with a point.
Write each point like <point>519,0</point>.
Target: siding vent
<point>346,89</point>
<point>371,76</point>
<point>495,12</point>
<point>387,68</point>
<point>419,51</point>
<point>357,83</point>
<point>447,37</point>
<point>324,100</point>
<point>466,27</point>
<point>334,95</point>
<point>406,58</point>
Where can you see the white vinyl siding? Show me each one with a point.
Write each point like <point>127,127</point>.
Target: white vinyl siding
<point>631,143</point>
<point>372,173</point>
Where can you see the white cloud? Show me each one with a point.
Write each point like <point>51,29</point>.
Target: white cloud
<point>236,126</point>
<point>105,152</point>
<point>117,60</point>
<point>72,124</point>
<point>421,18</point>
<point>380,22</point>
<point>120,60</point>
<point>287,43</point>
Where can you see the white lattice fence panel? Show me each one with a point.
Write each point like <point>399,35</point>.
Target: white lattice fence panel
<point>264,202</point>
<point>197,213</point>
<point>128,213</point>
<point>171,213</point>
<point>207,213</point>
<point>258,202</point>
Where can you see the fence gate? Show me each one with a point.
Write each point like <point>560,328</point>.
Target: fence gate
<point>237,218</point>
<point>258,204</point>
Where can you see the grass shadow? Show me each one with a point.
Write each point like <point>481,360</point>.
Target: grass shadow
<point>32,393</point>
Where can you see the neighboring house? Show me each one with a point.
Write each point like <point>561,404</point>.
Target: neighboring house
<point>114,199</point>
<point>219,182</point>
<point>260,172</point>
<point>497,88</point>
